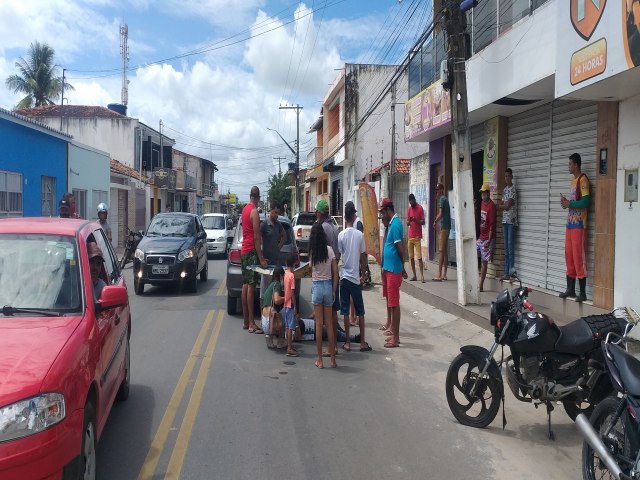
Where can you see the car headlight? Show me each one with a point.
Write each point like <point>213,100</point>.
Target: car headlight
<point>139,254</point>
<point>221,239</point>
<point>31,416</point>
<point>184,255</point>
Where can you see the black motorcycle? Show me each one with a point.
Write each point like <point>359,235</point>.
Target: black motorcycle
<point>612,436</point>
<point>548,364</point>
<point>130,245</point>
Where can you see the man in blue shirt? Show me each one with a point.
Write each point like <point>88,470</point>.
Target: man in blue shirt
<point>393,268</point>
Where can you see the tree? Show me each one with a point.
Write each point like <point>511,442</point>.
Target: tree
<point>278,191</point>
<point>37,78</point>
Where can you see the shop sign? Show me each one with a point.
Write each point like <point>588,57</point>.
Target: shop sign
<point>592,45</point>
<point>489,174</point>
<point>429,109</point>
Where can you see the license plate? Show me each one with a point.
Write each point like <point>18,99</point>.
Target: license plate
<point>160,269</point>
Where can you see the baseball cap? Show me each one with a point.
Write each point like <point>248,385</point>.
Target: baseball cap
<point>322,206</point>
<point>386,203</point>
<point>94,250</point>
<point>349,208</point>
<point>485,187</point>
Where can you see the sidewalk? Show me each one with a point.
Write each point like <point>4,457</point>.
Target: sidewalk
<point>444,296</point>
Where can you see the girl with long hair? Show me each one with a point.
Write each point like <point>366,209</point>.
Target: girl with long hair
<point>324,276</point>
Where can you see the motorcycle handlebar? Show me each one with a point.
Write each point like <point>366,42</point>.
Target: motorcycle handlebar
<point>528,305</point>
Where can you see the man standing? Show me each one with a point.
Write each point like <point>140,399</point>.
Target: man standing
<point>354,262</point>
<point>509,207</point>
<point>393,268</point>
<point>415,221</point>
<point>444,217</point>
<point>575,244</point>
<point>251,254</point>
<point>487,240</point>
<point>273,237</point>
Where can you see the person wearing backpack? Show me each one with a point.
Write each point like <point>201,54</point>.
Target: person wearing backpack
<point>575,245</point>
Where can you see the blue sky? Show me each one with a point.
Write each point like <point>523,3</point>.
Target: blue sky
<point>229,94</point>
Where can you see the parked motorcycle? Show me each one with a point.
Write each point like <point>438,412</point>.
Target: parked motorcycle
<point>612,436</point>
<point>130,245</point>
<point>548,364</point>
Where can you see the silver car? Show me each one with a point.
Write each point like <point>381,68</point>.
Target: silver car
<point>234,269</point>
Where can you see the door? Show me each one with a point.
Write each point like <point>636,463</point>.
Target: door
<point>113,323</point>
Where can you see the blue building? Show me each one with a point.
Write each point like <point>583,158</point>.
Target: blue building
<point>33,167</point>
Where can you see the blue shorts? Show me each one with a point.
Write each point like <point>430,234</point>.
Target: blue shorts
<point>322,292</point>
<point>289,318</point>
<point>349,290</point>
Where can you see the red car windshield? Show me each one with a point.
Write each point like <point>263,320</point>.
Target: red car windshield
<point>40,272</point>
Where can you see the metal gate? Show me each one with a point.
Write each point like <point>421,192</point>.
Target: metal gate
<point>528,153</point>
<point>477,138</point>
<point>574,129</point>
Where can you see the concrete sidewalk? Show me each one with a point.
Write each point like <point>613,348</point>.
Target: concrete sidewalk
<point>444,296</point>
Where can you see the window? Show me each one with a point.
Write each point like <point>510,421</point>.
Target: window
<point>81,202</point>
<point>323,186</point>
<point>485,19</point>
<point>98,197</point>
<point>334,121</point>
<point>48,196</point>
<point>10,194</point>
<point>511,11</point>
<point>110,263</point>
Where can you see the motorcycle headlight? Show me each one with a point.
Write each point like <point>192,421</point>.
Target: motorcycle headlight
<point>184,255</point>
<point>139,254</point>
<point>30,416</point>
<point>221,239</point>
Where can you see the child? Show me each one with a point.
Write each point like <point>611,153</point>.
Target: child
<point>273,300</point>
<point>289,307</point>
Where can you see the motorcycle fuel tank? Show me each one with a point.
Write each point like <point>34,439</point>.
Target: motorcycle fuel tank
<point>537,334</point>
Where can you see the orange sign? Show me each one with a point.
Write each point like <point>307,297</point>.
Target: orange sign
<point>585,16</point>
<point>589,62</point>
<point>369,216</point>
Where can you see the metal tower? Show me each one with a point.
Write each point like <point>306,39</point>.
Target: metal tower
<point>124,51</point>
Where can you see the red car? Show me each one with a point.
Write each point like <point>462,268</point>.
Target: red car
<point>65,325</point>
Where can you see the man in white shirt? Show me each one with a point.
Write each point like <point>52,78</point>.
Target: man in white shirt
<point>354,262</point>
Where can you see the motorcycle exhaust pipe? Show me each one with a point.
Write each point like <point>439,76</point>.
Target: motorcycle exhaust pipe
<point>593,439</point>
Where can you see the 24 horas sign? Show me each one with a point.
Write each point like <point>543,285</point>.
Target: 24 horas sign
<point>596,39</point>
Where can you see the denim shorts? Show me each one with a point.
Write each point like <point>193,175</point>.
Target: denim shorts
<point>350,290</point>
<point>322,292</point>
<point>289,318</point>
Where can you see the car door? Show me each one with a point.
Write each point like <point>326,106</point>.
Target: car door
<point>115,324</point>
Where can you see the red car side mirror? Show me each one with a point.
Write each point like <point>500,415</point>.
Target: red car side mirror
<point>113,296</point>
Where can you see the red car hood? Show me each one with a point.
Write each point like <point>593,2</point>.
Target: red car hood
<point>28,348</point>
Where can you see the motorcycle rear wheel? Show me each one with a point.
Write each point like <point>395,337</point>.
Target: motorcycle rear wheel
<point>617,441</point>
<point>477,411</point>
<point>575,407</point>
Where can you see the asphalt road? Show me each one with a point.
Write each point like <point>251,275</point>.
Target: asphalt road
<point>209,401</point>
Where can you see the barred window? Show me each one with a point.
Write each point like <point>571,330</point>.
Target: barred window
<point>10,194</point>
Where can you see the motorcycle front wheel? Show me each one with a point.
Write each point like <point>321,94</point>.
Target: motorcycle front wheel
<point>617,441</point>
<point>480,409</point>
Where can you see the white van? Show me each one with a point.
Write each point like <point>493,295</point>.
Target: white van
<point>219,228</point>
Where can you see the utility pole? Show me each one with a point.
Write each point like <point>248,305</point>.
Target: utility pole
<point>62,99</point>
<point>297,108</point>
<point>392,170</point>
<point>466,258</point>
<point>279,158</point>
<point>161,159</point>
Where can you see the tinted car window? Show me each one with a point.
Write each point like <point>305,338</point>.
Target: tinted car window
<point>168,226</point>
<point>110,264</point>
<point>214,223</point>
<point>288,234</point>
<point>39,271</point>
<point>306,220</point>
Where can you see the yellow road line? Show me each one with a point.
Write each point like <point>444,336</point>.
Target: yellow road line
<point>222,287</point>
<point>155,451</point>
<point>186,429</point>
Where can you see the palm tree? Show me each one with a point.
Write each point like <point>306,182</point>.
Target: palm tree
<point>37,78</point>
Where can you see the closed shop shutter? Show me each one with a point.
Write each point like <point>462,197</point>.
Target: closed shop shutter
<point>574,130</point>
<point>528,155</point>
<point>477,138</point>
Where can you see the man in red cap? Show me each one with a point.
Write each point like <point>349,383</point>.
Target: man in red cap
<point>393,268</point>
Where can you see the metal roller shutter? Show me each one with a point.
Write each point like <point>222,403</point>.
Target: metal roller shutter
<point>574,130</point>
<point>477,138</point>
<point>528,155</point>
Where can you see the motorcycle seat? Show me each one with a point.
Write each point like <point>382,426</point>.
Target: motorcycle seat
<point>575,338</point>
<point>629,368</point>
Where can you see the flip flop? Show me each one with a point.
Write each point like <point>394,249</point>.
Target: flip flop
<point>436,279</point>
<point>344,347</point>
<point>382,327</point>
<point>319,365</point>
<point>391,345</point>
<point>366,349</point>
<point>259,330</point>
<point>251,330</point>
<point>293,354</point>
